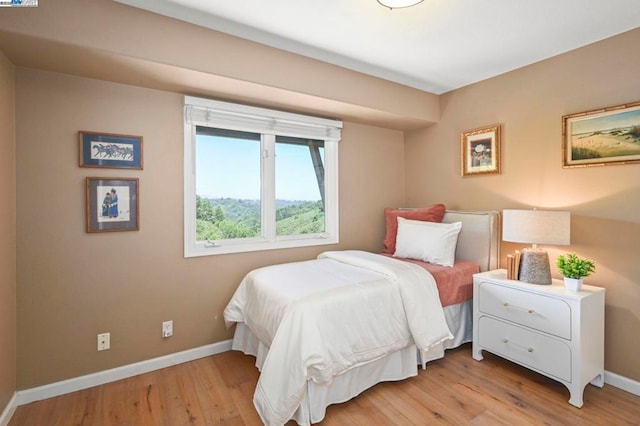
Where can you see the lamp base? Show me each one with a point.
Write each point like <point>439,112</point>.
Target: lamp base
<point>534,267</point>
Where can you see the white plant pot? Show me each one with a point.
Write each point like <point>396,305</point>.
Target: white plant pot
<point>573,284</point>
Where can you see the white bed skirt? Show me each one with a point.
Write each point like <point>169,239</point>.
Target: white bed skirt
<point>395,366</point>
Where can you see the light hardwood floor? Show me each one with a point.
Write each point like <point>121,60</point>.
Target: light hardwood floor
<point>455,390</point>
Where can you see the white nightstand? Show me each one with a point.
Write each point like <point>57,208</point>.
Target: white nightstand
<point>547,328</point>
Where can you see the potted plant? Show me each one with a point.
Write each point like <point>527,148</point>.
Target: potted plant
<point>574,269</point>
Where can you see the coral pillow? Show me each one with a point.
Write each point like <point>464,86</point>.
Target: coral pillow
<point>433,213</point>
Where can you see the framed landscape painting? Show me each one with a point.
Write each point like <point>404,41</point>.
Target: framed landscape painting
<point>602,137</point>
<point>480,151</point>
<point>112,204</point>
<point>110,150</point>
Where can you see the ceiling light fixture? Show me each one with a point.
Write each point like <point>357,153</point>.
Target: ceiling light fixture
<point>398,4</point>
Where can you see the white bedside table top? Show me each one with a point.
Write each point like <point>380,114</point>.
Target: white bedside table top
<point>557,287</point>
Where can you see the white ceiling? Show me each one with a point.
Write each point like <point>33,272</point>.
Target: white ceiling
<point>437,46</point>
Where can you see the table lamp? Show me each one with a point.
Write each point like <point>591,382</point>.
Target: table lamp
<point>549,227</point>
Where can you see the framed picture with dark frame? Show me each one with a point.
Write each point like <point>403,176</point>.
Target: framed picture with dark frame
<point>602,137</point>
<point>110,150</point>
<point>480,151</point>
<point>112,204</point>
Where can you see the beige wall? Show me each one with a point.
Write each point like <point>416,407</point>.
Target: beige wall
<point>107,40</point>
<point>74,285</point>
<point>604,201</point>
<point>7,235</point>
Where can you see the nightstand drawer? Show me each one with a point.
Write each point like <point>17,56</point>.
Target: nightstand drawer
<point>534,350</point>
<point>547,314</point>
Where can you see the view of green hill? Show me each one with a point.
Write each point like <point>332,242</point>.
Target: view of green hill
<point>221,218</point>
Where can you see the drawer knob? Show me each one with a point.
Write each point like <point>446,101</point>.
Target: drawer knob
<point>530,349</point>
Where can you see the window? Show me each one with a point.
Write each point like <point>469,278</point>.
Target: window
<point>257,179</point>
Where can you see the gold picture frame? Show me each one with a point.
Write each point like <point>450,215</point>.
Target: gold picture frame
<point>480,151</point>
<point>602,137</point>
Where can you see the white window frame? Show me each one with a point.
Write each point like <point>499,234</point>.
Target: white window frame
<point>269,123</point>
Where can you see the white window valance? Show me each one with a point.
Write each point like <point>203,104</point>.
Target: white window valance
<point>260,120</point>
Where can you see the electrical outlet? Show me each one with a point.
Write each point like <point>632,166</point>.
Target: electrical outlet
<point>167,329</point>
<point>104,341</point>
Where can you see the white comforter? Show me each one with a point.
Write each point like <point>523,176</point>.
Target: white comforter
<point>322,317</point>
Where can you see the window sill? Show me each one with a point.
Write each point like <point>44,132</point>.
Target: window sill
<point>201,249</point>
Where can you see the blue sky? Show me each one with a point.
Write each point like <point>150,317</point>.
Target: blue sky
<point>231,168</point>
<point>589,124</point>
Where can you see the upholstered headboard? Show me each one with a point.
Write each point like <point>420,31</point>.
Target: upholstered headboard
<point>479,239</point>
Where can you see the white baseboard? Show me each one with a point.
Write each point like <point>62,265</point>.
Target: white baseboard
<point>8,411</point>
<point>66,386</point>
<point>622,382</point>
<point>78,383</point>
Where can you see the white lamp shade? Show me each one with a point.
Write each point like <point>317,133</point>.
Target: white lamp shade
<point>397,4</point>
<point>547,227</point>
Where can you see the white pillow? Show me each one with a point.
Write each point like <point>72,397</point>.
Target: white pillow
<point>427,241</point>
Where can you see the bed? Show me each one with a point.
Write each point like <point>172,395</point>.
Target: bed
<point>328,350</point>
